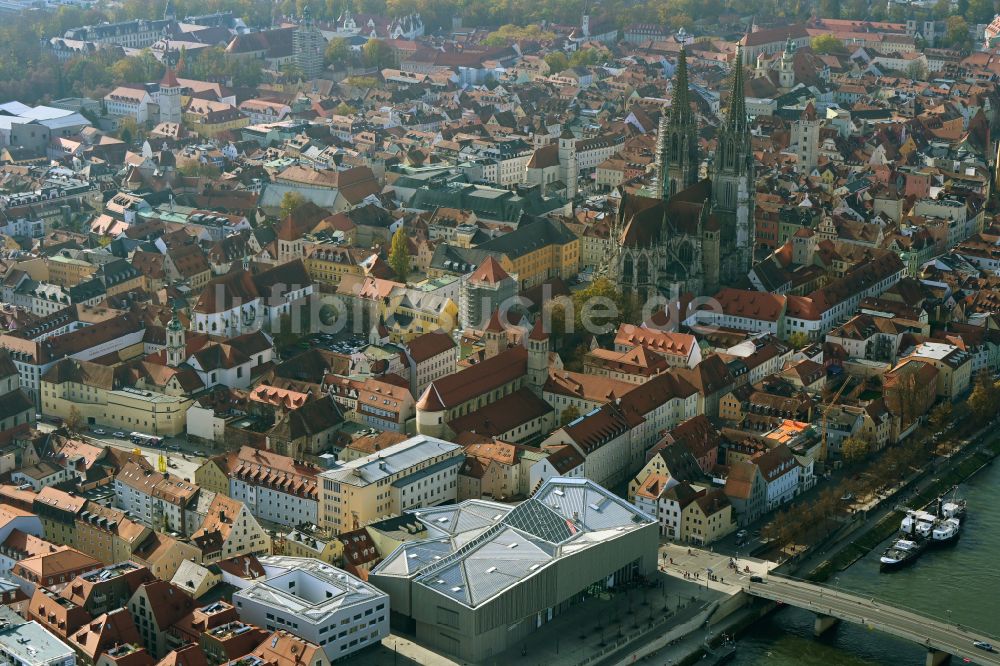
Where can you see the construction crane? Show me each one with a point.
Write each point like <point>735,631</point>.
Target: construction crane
<point>826,411</point>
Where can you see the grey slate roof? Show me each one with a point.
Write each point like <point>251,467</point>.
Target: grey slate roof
<point>484,548</point>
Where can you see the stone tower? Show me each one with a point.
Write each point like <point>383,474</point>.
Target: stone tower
<point>176,342</point>
<point>733,182</point>
<point>170,97</point>
<point>493,336</point>
<point>567,162</point>
<point>679,158</point>
<point>307,46</point>
<point>805,138</point>
<point>538,357</point>
<point>786,66</point>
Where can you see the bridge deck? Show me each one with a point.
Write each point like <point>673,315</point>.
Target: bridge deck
<point>933,633</point>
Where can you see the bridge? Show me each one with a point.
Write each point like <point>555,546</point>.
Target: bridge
<point>942,638</point>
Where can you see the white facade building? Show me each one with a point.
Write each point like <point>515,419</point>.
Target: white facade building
<point>317,602</point>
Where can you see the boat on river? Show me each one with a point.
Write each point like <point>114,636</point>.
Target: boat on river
<point>902,553</point>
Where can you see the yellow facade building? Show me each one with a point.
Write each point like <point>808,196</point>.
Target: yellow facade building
<point>708,518</point>
<point>102,396</point>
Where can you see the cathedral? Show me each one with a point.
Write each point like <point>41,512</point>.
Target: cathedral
<point>689,235</point>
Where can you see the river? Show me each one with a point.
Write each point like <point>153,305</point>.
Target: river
<point>955,583</point>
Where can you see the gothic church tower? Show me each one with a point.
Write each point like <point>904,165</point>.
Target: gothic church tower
<point>733,183</point>
<point>677,138</point>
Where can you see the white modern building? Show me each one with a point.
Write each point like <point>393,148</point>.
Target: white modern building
<point>317,602</point>
<point>30,644</point>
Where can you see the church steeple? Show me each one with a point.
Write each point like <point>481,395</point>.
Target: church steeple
<point>680,111</point>
<point>733,180</point>
<point>736,119</point>
<point>677,140</point>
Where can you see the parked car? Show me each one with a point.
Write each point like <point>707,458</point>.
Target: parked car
<point>200,453</point>
<point>119,434</point>
<point>99,431</point>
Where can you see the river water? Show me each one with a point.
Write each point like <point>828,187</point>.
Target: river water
<point>957,584</point>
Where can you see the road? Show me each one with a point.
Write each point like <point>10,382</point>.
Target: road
<point>934,633</point>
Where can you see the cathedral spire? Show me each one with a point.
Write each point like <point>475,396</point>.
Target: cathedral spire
<point>677,137</point>
<point>680,105</point>
<point>736,121</point>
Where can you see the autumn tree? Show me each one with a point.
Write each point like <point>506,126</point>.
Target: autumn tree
<point>399,254</point>
<point>985,398</point>
<point>290,203</point>
<point>940,416</point>
<point>569,415</point>
<point>73,420</point>
<point>854,450</point>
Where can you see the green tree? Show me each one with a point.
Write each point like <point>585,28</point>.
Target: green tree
<point>827,44</point>
<point>128,130</point>
<point>586,57</point>
<point>569,415</point>
<point>377,53</point>
<point>399,254</point>
<point>798,339</point>
<point>557,310</point>
<point>509,32</point>
<point>345,109</point>
<point>557,62</point>
<point>292,72</point>
<point>957,34</point>
<point>829,8</point>
<point>291,203</point>
<point>338,52</point>
<point>195,169</point>
<point>854,450</point>
<point>980,11</point>
<point>598,307</point>
<point>917,70</point>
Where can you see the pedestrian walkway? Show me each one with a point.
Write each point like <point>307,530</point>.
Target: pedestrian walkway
<point>714,571</point>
